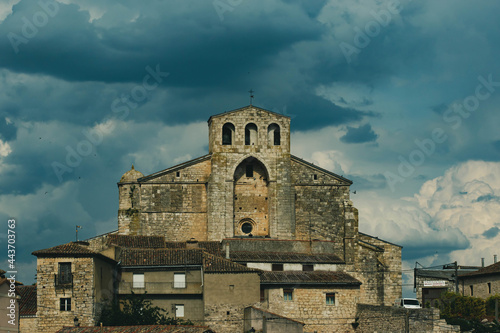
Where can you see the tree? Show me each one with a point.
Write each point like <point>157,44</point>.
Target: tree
<point>136,310</point>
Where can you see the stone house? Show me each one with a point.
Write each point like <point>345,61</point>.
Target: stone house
<point>483,283</point>
<point>246,230</point>
<point>431,283</point>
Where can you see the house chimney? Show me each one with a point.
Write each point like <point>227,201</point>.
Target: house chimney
<point>494,258</point>
<point>227,251</point>
<point>482,262</point>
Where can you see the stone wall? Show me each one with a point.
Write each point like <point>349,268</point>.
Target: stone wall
<point>480,285</point>
<point>378,266</point>
<point>92,284</point>
<point>265,321</point>
<point>226,296</point>
<point>275,160</point>
<point>80,291</point>
<point>387,319</point>
<point>28,325</point>
<point>308,305</point>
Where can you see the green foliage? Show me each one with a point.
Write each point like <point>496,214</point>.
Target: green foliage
<point>136,310</point>
<point>490,304</point>
<point>456,305</point>
<point>427,305</point>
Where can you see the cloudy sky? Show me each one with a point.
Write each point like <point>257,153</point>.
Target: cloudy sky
<point>402,97</point>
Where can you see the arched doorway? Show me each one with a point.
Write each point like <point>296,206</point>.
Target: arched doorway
<point>251,208</point>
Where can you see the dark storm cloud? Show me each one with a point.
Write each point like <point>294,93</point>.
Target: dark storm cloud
<point>198,50</point>
<point>312,112</point>
<point>491,233</point>
<point>360,134</point>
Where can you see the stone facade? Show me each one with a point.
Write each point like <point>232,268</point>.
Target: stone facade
<point>308,305</point>
<point>483,283</point>
<point>60,301</point>
<point>387,319</point>
<point>226,296</point>
<point>247,196</point>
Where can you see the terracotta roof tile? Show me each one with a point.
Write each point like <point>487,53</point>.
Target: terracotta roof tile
<point>68,248</point>
<point>315,277</point>
<point>212,247</point>
<point>152,257</point>
<point>27,303</point>
<point>491,269</point>
<point>285,257</point>
<point>215,264</point>
<point>138,329</point>
<point>153,242</point>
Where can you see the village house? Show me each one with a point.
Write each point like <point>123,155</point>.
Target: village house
<point>243,238</point>
<point>483,283</point>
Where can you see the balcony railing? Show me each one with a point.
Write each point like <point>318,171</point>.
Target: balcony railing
<point>63,281</point>
<point>160,287</point>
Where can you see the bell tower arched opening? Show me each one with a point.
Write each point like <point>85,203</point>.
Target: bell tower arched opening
<point>251,199</point>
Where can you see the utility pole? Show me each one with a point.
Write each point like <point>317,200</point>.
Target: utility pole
<point>456,277</point>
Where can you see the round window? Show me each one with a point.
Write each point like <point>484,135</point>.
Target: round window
<point>246,227</point>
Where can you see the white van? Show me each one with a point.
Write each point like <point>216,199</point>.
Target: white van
<point>408,303</point>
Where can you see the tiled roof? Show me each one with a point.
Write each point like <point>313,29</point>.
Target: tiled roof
<point>152,242</point>
<point>138,329</point>
<point>315,277</point>
<point>285,257</point>
<point>175,245</point>
<point>213,247</point>
<point>69,248</point>
<point>27,303</point>
<point>491,269</point>
<point>215,264</point>
<point>179,257</point>
<point>152,257</point>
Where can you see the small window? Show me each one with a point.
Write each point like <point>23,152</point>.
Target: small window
<point>249,170</point>
<point>472,290</point>
<point>178,174</point>
<point>262,294</point>
<point>251,135</point>
<point>227,134</point>
<point>277,267</point>
<point>179,310</point>
<point>330,298</point>
<point>64,273</point>
<point>274,135</point>
<point>489,287</point>
<point>179,280</point>
<point>287,294</point>
<point>65,304</point>
<point>308,268</point>
<point>315,177</point>
<point>138,281</point>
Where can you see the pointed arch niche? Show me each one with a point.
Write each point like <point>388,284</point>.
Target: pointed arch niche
<point>251,199</point>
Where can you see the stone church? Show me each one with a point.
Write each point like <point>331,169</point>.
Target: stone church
<point>228,239</point>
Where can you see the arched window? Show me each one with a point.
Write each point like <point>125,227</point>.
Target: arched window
<point>251,134</point>
<point>274,135</point>
<point>227,134</point>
